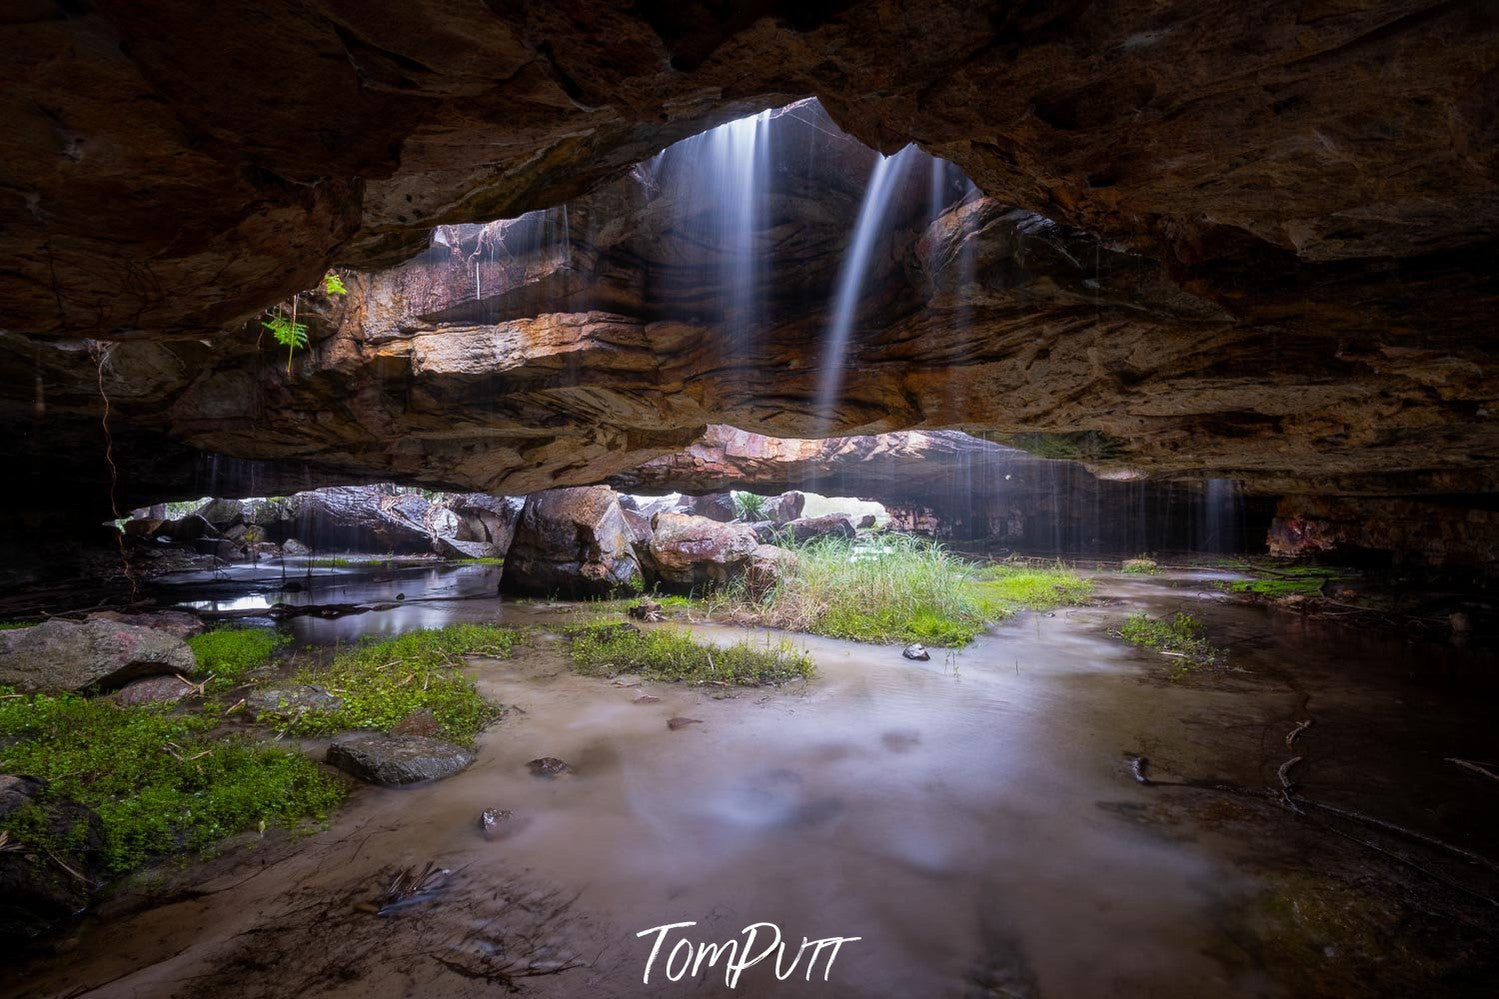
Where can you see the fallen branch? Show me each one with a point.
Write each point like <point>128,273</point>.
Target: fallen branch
<point>1477,768</point>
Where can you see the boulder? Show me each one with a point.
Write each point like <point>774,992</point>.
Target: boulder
<point>179,623</point>
<point>294,548</point>
<point>66,656</point>
<point>572,542</point>
<point>765,530</point>
<point>714,506</point>
<point>687,551</point>
<point>36,894</point>
<point>291,702</point>
<point>867,521</point>
<point>398,759</point>
<point>151,690</point>
<point>830,525</point>
<point>767,563</point>
<point>186,529</point>
<point>222,513</point>
<point>485,519</point>
<point>453,548</point>
<point>786,507</point>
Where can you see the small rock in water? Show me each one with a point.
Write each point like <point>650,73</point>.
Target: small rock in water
<point>676,723</point>
<point>916,651</point>
<point>646,699</point>
<point>491,821</point>
<point>420,722</point>
<point>548,767</point>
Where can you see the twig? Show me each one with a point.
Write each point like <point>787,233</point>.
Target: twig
<point>1302,727</point>
<point>1477,768</point>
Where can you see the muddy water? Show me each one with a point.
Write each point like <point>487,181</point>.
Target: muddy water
<point>973,820</point>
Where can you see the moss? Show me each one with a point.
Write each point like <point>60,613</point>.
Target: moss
<point>13,625</point>
<point>1087,445</point>
<point>158,781</point>
<point>667,654</point>
<point>485,560</point>
<point>380,683</point>
<point>1180,635</point>
<point>230,653</point>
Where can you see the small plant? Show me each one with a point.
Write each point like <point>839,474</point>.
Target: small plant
<point>749,506</point>
<point>1180,635</point>
<point>333,284</point>
<point>671,655</point>
<point>288,332</point>
<point>1144,565</point>
<point>380,683</point>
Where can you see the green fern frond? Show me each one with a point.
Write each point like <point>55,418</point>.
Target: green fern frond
<point>333,284</point>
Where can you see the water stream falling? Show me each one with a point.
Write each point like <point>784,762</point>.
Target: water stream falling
<point>852,276</point>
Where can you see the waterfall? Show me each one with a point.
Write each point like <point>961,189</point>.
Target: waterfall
<point>720,181</point>
<point>883,180</point>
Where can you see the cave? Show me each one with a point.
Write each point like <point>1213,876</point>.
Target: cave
<point>573,498</point>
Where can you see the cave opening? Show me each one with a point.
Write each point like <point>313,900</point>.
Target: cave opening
<point>1025,529</point>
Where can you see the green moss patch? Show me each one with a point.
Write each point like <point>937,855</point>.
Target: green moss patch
<point>231,653</point>
<point>675,656</point>
<point>381,683</point>
<point>485,560</point>
<point>159,782</point>
<point>1285,581</point>
<point>1180,635</point>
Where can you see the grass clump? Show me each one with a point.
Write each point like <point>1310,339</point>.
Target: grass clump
<point>158,782</point>
<point>901,589</point>
<point>675,656</point>
<point>1180,635</point>
<point>749,506</point>
<point>13,625</point>
<point>1295,580</point>
<point>231,653</point>
<point>1141,566</point>
<point>482,560</point>
<point>380,683</point>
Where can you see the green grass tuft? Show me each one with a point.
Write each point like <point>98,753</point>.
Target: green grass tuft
<point>484,560</point>
<point>381,683</point>
<point>671,655</point>
<point>230,653</point>
<point>160,784</point>
<point>901,589</point>
<point>13,625</point>
<point>1144,565</point>
<point>1180,635</point>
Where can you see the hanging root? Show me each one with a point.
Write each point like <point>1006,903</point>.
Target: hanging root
<point>1301,727</point>
<point>101,357</point>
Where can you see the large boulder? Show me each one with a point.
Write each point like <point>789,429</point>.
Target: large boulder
<point>453,548</point>
<point>222,513</point>
<point>714,506</point>
<point>572,542</point>
<point>65,656</point>
<point>36,892</point>
<point>484,519</point>
<point>829,525</point>
<point>785,507</point>
<point>767,563</point>
<point>179,623</point>
<point>687,551</point>
<point>398,759</point>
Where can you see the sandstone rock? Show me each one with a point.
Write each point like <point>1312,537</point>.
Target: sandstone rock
<point>294,548</point>
<point>221,513</point>
<point>688,551</point>
<point>179,623</point>
<point>767,564</point>
<point>549,767</point>
<point>394,759</point>
<point>766,531</point>
<point>784,507</point>
<point>453,548</point>
<point>485,519</point>
<point>571,542</point>
<point>496,823</point>
<point>64,656</point>
<point>917,652</point>
<point>151,690</point>
<point>676,723</point>
<point>830,525</point>
<point>290,702</point>
<point>36,894</point>
<point>187,529</point>
<point>713,506</point>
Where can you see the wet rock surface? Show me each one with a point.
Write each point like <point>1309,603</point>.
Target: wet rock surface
<point>687,551</point>
<point>571,542</point>
<point>65,656</point>
<point>548,767</point>
<point>395,759</point>
<point>290,701</point>
<point>152,690</point>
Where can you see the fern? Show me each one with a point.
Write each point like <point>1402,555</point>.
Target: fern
<point>333,284</point>
<point>288,332</point>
